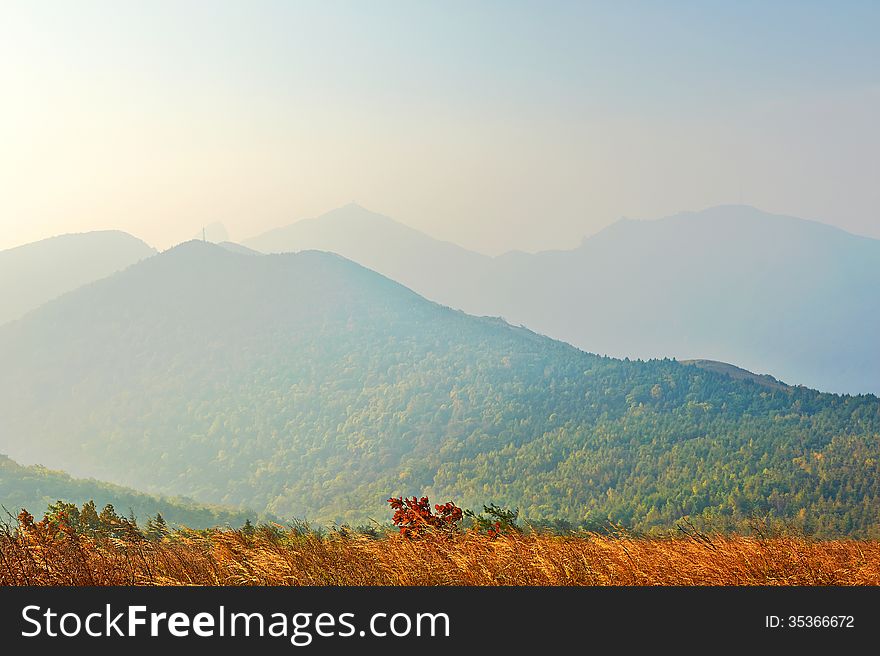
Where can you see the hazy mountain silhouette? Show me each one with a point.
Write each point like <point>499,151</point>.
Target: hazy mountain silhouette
<point>308,385</point>
<point>34,273</point>
<point>439,270</point>
<point>776,294</point>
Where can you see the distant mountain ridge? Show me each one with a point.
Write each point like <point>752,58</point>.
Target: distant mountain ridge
<point>439,270</point>
<point>772,293</point>
<point>35,273</point>
<point>307,385</point>
<point>737,373</point>
<point>34,488</point>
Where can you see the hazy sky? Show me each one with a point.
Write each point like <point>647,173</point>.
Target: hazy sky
<point>497,125</point>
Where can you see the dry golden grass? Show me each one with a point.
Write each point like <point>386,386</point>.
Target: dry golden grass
<point>294,558</point>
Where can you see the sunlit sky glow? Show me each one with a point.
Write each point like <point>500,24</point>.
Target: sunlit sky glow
<point>497,125</point>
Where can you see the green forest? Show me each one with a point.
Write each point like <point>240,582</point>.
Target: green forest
<point>307,386</point>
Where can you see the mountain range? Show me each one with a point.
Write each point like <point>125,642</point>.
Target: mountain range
<point>308,385</point>
<point>790,297</point>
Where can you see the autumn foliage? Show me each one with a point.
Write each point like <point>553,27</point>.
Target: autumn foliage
<point>414,518</point>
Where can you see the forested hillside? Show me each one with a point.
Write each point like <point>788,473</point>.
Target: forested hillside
<point>35,488</point>
<point>306,385</point>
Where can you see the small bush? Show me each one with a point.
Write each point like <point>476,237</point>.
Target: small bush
<point>414,517</point>
<point>495,520</point>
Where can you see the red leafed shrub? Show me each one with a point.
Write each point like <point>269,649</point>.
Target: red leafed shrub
<point>414,516</point>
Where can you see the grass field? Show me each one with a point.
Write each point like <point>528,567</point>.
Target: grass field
<point>270,556</point>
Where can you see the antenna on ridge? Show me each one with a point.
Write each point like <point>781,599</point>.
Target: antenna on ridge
<point>204,238</point>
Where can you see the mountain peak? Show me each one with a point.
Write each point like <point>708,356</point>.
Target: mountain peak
<point>353,212</point>
<point>194,246</point>
<point>214,232</point>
